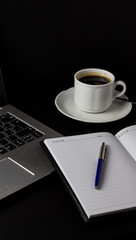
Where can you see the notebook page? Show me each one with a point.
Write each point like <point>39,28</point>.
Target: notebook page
<point>127,137</point>
<point>77,157</point>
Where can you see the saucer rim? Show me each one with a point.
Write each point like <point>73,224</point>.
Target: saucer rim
<point>127,104</point>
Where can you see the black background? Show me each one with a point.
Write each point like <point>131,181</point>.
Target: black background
<point>42,45</point>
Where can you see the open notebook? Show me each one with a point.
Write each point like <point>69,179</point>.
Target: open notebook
<point>76,158</point>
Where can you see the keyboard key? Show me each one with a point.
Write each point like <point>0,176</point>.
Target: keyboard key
<point>5,115</point>
<point>2,150</point>
<point>19,123</point>
<point>28,138</point>
<point>10,146</point>
<point>37,134</point>
<point>19,142</point>
<point>1,129</point>
<point>25,132</point>
<point>2,135</point>
<point>16,128</point>
<point>12,138</point>
<point>7,118</point>
<point>3,141</point>
<point>9,132</point>
<point>7,126</point>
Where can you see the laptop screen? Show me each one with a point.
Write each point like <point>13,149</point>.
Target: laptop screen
<point>3,98</point>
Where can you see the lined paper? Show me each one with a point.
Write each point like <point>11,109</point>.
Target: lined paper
<point>77,158</point>
<point>127,137</point>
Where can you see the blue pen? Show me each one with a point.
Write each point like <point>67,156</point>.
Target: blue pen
<point>101,161</point>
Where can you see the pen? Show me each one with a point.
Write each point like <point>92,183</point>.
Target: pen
<point>101,161</point>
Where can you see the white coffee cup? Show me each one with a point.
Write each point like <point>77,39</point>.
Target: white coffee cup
<point>94,89</point>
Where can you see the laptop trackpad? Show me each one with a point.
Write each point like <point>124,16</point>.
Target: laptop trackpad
<point>12,174</point>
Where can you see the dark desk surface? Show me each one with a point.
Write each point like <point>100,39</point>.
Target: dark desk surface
<point>44,210</point>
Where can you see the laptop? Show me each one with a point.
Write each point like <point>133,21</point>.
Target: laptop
<point>22,159</point>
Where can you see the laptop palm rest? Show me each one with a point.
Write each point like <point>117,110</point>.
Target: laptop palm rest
<point>12,175</point>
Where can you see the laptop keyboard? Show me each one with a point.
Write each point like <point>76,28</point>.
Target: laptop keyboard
<point>15,133</point>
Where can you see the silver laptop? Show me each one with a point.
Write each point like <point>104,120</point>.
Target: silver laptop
<point>22,159</point>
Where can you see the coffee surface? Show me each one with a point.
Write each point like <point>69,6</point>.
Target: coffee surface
<point>94,80</point>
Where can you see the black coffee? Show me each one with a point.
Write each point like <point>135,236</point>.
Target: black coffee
<point>94,80</point>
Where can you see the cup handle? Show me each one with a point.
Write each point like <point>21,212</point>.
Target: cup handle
<point>119,94</point>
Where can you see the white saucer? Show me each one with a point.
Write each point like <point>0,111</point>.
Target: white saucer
<point>65,104</point>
